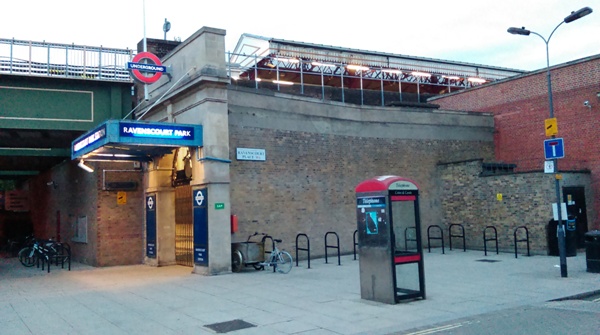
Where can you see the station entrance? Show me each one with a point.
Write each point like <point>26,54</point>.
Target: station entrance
<point>184,228</point>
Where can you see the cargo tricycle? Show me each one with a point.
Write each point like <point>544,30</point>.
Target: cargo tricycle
<point>253,253</point>
<point>248,253</point>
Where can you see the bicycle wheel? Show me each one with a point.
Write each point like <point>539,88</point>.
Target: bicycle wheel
<point>284,262</point>
<point>236,261</point>
<point>27,256</point>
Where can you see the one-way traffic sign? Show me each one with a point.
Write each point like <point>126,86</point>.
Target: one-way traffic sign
<point>554,148</point>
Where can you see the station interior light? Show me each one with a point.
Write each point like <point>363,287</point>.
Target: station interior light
<point>82,165</point>
<point>476,80</point>
<point>420,74</point>
<point>357,67</point>
<point>283,82</point>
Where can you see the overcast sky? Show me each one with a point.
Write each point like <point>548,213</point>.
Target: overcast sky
<point>472,31</point>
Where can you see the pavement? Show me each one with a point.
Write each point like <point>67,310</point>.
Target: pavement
<point>324,299</point>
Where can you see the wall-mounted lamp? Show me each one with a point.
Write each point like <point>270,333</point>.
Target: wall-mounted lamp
<point>587,104</point>
<point>82,165</point>
<point>598,95</point>
<point>53,184</point>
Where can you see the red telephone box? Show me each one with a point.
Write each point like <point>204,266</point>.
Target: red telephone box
<point>389,240</point>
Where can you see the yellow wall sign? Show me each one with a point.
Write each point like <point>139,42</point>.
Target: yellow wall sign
<point>551,127</point>
<point>121,198</point>
<point>499,196</point>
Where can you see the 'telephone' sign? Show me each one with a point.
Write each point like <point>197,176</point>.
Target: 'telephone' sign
<point>156,131</point>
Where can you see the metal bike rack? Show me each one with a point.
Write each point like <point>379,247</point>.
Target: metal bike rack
<point>486,239</point>
<point>333,246</point>
<point>272,246</point>
<point>429,237</point>
<point>526,239</point>
<point>354,240</point>
<point>65,255</point>
<point>461,235</point>
<point>307,249</point>
<point>406,239</point>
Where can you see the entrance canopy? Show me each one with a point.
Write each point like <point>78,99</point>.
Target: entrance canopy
<point>117,140</point>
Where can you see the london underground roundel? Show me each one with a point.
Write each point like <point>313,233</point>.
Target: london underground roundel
<point>137,67</point>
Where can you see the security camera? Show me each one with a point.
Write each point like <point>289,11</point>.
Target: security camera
<point>586,103</point>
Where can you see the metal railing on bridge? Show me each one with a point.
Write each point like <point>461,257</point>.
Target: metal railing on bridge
<point>64,60</point>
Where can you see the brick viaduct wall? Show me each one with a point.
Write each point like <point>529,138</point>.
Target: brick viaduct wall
<point>115,234</point>
<point>120,226</point>
<point>520,106</point>
<point>471,200</point>
<point>316,154</point>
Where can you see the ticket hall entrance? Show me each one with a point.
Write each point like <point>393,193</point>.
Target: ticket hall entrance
<point>169,219</point>
<point>389,240</point>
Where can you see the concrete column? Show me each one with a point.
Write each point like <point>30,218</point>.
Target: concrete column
<point>159,183</point>
<point>210,166</point>
<point>199,62</point>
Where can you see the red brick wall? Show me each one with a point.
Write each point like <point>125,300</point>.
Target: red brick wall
<point>520,106</point>
<point>115,233</point>
<point>120,226</point>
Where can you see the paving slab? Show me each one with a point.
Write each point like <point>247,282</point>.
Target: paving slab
<point>325,299</point>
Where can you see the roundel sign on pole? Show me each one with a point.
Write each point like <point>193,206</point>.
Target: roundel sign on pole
<point>137,68</point>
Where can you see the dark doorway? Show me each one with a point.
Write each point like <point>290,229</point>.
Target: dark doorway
<point>574,197</point>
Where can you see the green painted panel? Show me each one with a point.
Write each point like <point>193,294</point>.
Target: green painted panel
<point>19,173</point>
<point>48,103</point>
<point>48,152</point>
<point>42,104</point>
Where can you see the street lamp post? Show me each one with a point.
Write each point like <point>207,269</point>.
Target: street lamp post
<point>561,227</point>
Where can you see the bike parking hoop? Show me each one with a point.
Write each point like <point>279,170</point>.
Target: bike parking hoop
<point>268,237</point>
<point>526,239</point>
<point>407,234</point>
<point>333,246</point>
<point>460,234</point>
<point>436,228</point>
<point>46,252</point>
<point>487,239</point>
<point>355,241</point>
<point>307,249</point>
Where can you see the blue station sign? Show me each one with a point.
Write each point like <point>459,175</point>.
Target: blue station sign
<point>164,131</point>
<point>137,135</point>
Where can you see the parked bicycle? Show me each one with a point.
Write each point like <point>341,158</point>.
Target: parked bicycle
<point>12,246</point>
<point>280,260</point>
<point>252,253</point>
<point>46,252</point>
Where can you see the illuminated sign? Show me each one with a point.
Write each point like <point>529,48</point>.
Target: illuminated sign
<point>370,202</point>
<point>156,131</point>
<point>114,138</point>
<point>93,137</point>
<point>137,68</point>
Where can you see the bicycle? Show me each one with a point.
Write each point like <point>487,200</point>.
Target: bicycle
<point>29,255</point>
<point>280,260</point>
<point>10,249</point>
<point>46,251</point>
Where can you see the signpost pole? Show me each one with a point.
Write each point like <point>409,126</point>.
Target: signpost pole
<point>575,15</point>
